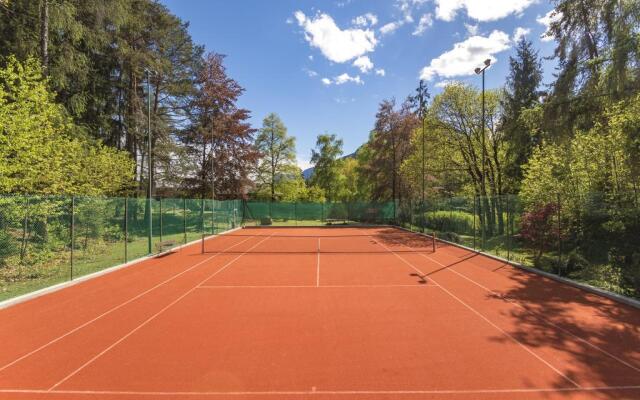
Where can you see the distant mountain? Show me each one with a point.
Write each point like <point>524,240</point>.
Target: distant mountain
<point>306,174</point>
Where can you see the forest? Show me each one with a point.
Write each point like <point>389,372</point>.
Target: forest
<point>113,99</point>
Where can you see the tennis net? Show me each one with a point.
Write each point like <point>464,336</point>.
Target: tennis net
<point>329,241</point>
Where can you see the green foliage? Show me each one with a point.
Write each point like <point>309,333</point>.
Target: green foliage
<point>327,165</point>
<point>277,152</point>
<point>458,221</point>
<point>41,150</point>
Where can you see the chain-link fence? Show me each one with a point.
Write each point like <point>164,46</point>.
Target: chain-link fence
<point>593,238</point>
<point>313,214</point>
<point>48,240</point>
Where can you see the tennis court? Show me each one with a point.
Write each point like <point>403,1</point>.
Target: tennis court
<point>299,313</point>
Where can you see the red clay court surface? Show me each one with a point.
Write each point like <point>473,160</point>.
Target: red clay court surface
<point>313,313</point>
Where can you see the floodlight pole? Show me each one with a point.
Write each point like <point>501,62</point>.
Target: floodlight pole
<point>479,71</point>
<point>149,159</point>
<point>421,98</point>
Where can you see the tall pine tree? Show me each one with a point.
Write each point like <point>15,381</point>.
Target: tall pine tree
<point>521,92</point>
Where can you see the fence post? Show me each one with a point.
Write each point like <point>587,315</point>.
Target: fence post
<point>559,238</point>
<point>184,219</point>
<point>508,234</point>
<point>202,223</point>
<point>73,211</point>
<point>213,217</point>
<point>126,229</point>
<point>474,221</point>
<point>161,221</point>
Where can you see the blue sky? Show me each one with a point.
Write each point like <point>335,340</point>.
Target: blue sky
<point>324,66</point>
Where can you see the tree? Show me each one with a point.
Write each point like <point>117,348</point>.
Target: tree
<point>42,151</point>
<point>219,139</point>
<point>598,57</point>
<point>521,93</point>
<point>388,146</point>
<point>96,56</point>
<point>325,159</point>
<point>277,153</point>
<point>458,112</point>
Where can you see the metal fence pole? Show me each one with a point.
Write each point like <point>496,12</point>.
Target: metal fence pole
<point>73,222</point>
<point>126,229</point>
<point>474,221</point>
<point>161,221</point>
<point>202,223</point>
<point>508,234</point>
<point>559,237</point>
<point>213,217</point>
<point>184,219</point>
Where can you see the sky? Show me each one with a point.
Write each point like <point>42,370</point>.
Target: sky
<point>324,66</point>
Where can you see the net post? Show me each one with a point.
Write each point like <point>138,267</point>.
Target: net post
<point>126,229</point>
<point>73,211</point>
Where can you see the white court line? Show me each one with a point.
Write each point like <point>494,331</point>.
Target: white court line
<point>308,286</point>
<point>518,304</point>
<point>522,345</point>
<point>115,308</point>
<point>318,268</point>
<point>152,317</point>
<point>324,392</point>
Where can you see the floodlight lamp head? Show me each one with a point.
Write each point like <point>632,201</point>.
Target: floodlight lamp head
<point>478,71</point>
<point>487,62</point>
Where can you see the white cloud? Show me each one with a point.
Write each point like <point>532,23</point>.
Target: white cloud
<point>480,10</point>
<point>472,30</point>
<point>447,82</point>
<point>364,64</point>
<point>466,56</point>
<point>547,20</point>
<point>390,27</point>
<point>342,79</point>
<point>425,22</point>
<point>380,72</point>
<point>336,44</point>
<point>520,32</point>
<point>311,73</point>
<point>407,7</point>
<point>365,20</point>
<point>310,57</point>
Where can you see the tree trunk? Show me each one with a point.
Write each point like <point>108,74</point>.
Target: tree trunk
<point>44,34</point>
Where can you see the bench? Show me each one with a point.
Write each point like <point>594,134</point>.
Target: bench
<point>165,245</point>
<point>332,221</point>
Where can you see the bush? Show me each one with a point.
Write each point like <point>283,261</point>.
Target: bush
<point>574,262</point>
<point>459,221</point>
<point>6,247</point>
<point>266,221</point>
<point>450,237</point>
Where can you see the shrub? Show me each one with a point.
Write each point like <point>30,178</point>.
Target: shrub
<point>538,229</point>
<point>458,221</point>
<point>266,221</point>
<point>450,237</point>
